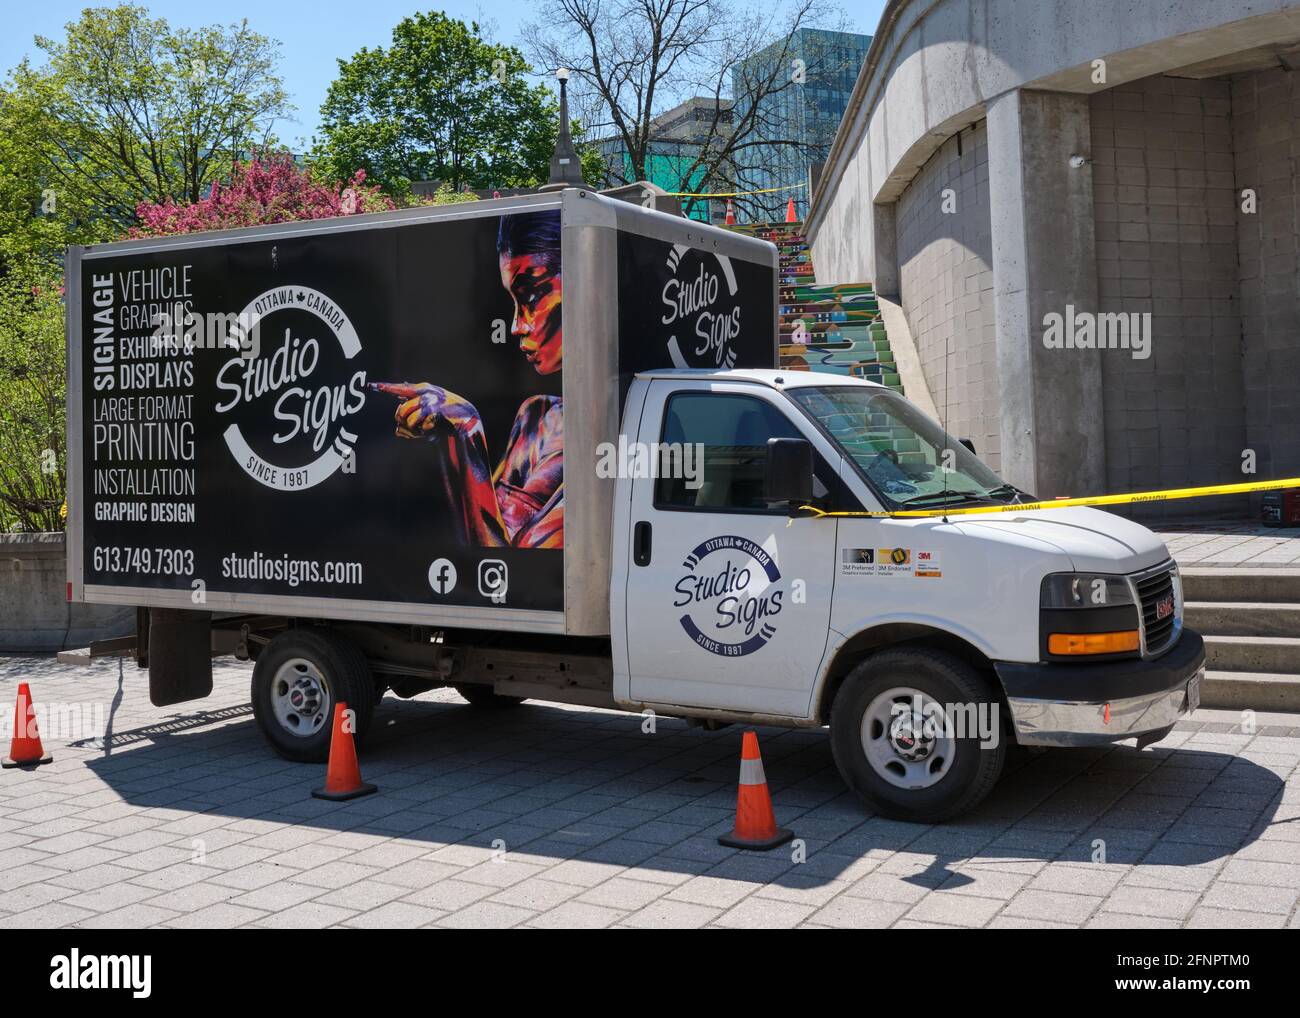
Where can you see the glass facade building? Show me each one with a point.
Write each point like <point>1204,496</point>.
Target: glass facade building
<point>814,74</point>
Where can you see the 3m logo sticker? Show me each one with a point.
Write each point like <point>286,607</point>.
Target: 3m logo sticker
<point>897,556</point>
<point>857,561</point>
<point>882,562</point>
<point>927,563</point>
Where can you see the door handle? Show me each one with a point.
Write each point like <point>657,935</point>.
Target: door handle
<point>641,535</point>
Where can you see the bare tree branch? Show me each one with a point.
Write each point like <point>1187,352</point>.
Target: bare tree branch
<point>633,60</point>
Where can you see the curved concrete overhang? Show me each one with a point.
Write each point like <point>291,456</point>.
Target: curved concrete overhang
<point>934,65</point>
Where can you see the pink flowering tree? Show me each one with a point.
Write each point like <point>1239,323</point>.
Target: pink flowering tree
<point>268,189</point>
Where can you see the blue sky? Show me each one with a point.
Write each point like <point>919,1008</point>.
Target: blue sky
<point>313,35</point>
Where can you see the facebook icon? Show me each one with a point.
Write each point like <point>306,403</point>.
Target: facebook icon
<point>442,576</point>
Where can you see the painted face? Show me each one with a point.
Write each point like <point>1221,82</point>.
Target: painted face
<point>536,291</point>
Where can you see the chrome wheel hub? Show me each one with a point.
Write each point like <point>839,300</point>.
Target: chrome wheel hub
<point>300,697</point>
<point>906,739</point>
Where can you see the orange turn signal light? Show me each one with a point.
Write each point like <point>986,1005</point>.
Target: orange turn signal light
<point>1093,643</point>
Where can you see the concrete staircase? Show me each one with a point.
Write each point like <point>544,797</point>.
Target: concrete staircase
<point>1250,619</point>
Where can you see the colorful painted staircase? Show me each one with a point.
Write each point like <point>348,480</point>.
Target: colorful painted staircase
<point>825,328</point>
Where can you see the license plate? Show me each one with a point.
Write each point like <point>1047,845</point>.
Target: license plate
<point>1194,692</point>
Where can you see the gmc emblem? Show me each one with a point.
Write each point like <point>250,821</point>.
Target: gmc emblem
<point>1165,607</point>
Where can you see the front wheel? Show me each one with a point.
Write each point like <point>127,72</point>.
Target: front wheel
<point>916,733</point>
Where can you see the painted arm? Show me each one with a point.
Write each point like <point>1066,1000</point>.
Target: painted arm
<point>464,468</point>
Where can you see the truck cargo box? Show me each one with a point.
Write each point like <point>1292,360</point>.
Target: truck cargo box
<point>393,417</point>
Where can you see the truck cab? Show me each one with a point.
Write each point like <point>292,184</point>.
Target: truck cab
<point>927,643</point>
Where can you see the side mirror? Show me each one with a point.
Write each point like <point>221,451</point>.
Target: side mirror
<point>789,474</point>
<point>968,444</point>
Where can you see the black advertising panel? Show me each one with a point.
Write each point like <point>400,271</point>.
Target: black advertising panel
<point>369,415</point>
<point>683,307</point>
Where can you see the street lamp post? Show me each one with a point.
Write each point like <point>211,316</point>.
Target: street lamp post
<point>566,169</point>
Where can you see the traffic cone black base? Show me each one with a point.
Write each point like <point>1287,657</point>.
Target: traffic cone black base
<point>352,793</point>
<point>9,761</point>
<point>781,837</point>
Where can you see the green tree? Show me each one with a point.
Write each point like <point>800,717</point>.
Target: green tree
<point>32,398</point>
<point>440,103</point>
<point>124,110</point>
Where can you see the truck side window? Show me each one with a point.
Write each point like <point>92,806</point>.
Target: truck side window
<point>731,433</point>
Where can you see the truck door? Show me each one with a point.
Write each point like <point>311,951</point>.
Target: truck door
<point>728,600</point>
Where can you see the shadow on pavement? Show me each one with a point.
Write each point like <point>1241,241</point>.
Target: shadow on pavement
<point>560,783</point>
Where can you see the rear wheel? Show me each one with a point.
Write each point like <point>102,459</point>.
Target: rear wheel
<point>477,695</point>
<point>298,678</point>
<point>916,733</point>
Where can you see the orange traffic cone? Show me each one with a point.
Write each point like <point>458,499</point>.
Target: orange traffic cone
<point>343,777</point>
<point>755,823</point>
<point>26,749</point>
<point>731,214</point>
<point>789,212</point>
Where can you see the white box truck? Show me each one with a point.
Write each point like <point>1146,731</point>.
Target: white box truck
<point>540,448</point>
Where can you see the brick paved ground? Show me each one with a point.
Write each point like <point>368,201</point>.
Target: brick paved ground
<point>1228,544</point>
<point>187,819</point>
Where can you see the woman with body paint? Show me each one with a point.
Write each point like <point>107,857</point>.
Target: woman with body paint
<point>519,502</point>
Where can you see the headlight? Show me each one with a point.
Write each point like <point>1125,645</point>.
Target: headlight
<point>1087,615</point>
<point>1084,590</point>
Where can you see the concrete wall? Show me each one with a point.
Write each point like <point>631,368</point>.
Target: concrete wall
<point>934,64</point>
<point>946,279</point>
<point>1133,213</point>
<point>1044,264</point>
<point>35,616</point>
<point>1166,244</point>
<point>1266,135</point>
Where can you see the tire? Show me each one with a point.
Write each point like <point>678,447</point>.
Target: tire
<point>477,695</point>
<point>921,780</point>
<point>326,668</point>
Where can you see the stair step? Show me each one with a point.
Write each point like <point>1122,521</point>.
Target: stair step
<point>1253,585</point>
<point>1278,654</point>
<point>1243,618</point>
<point>1257,691</point>
<point>840,321</point>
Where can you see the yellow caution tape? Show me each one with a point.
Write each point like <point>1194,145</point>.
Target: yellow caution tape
<point>1066,503</point>
<point>731,194</point>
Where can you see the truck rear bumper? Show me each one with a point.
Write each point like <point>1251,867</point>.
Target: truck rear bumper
<point>1088,705</point>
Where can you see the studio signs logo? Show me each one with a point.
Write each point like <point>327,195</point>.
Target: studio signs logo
<point>701,304</point>
<point>730,589</point>
<point>287,392</point>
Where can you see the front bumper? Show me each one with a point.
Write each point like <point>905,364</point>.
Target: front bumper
<point>1089,705</point>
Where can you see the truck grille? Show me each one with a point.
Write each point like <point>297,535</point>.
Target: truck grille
<point>1161,612</point>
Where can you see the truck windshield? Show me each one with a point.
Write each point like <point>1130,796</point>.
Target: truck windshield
<point>909,460</point>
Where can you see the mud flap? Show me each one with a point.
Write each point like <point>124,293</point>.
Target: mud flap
<point>180,655</point>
